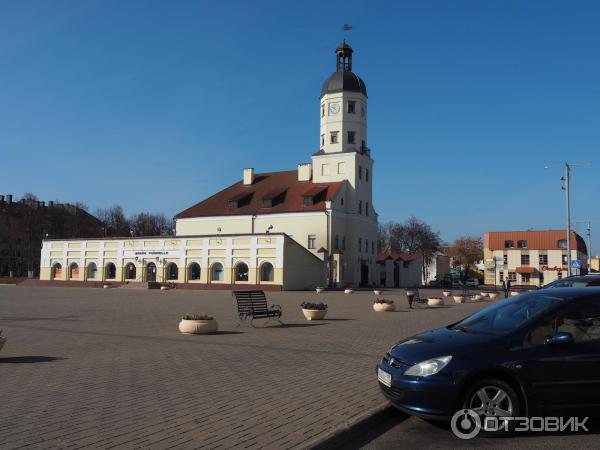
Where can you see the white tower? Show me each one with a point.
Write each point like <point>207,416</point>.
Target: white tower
<point>344,156</point>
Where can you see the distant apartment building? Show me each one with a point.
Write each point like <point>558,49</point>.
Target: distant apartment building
<point>595,264</point>
<point>530,257</point>
<point>406,270</point>
<point>25,223</point>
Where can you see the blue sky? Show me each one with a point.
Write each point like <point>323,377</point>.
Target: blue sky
<point>155,105</point>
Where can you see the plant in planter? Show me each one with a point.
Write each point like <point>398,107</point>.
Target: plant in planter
<point>459,298</point>
<point>476,297</point>
<point>319,289</point>
<point>314,311</point>
<point>348,290</point>
<point>377,291</point>
<point>198,324</point>
<point>446,293</point>
<point>493,295</point>
<point>381,304</point>
<point>435,301</point>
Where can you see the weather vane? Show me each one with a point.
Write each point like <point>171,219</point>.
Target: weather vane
<point>345,28</point>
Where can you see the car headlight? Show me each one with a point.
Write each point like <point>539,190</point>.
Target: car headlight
<point>428,367</point>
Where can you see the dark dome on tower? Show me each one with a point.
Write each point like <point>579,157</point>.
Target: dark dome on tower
<point>343,79</point>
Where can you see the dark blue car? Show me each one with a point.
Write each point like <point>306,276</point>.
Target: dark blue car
<point>534,354</point>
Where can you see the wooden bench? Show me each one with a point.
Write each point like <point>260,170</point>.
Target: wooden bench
<point>253,305</point>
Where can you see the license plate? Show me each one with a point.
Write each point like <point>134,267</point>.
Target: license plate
<point>384,378</point>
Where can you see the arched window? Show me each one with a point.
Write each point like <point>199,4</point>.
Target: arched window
<point>110,271</point>
<point>130,271</point>
<point>92,271</point>
<point>194,271</point>
<point>172,271</point>
<point>267,272</point>
<point>74,270</point>
<point>216,272</point>
<point>241,271</point>
<point>56,270</point>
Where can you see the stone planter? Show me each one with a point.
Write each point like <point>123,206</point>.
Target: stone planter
<point>314,314</point>
<point>377,291</point>
<point>106,286</point>
<point>320,290</point>
<point>514,293</point>
<point>348,291</point>
<point>435,301</point>
<point>446,293</point>
<point>485,294</point>
<point>164,288</point>
<point>381,307</point>
<point>493,295</point>
<point>198,326</point>
<point>459,298</point>
<point>476,297</point>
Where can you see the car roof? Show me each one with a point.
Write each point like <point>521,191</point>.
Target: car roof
<point>569,293</point>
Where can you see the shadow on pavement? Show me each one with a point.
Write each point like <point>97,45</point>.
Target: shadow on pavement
<point>26,319</point>
<point>29,359</point>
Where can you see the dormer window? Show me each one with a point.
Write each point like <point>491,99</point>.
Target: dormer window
<point>522,244</point>
<point>240,199</point>
<point>273,198</point>
<point>509,244</point>
<point>562,243</point>
<point>313,195</point>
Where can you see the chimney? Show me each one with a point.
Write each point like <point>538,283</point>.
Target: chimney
<point>304,172</point>
<point>9,199</point>
<point>248,176</point>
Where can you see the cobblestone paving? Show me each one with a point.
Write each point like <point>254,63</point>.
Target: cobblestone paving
<point>109,368</point>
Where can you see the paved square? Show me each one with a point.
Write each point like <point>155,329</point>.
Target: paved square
<point>109,368</point>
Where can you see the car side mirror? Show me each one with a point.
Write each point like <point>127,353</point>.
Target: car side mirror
<point>561,338</point>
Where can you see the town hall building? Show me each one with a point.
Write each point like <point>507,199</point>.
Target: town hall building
<point>297,229</point>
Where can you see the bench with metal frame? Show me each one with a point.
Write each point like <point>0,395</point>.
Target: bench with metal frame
<point>253,305</point>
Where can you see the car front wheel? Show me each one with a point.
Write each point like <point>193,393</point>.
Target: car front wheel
<point>493,399</point>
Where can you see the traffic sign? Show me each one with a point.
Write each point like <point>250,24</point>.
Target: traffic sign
<point>576,264</point>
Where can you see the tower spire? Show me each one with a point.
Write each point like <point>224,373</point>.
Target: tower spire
<point>344,57</point>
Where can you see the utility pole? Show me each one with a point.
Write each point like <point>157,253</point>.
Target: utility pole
<point>568,194</point>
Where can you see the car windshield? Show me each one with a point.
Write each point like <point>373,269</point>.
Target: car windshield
<point>507,315</point>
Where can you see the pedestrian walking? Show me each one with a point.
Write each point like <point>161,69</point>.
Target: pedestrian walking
<point>506,287</point>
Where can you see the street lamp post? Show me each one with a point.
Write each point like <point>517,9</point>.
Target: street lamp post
<point>568,194</point>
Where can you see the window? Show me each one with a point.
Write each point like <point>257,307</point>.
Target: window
<point>360,206</point>
<point>564,259</point>
<point>322,140</point>
<point>509,244</point>
<point>307,200</point>
<point>336,242</point>
<point>241,272</point>
<point>505,260</point>
<point>324,169</point>
<point>501,274</point>
<point>323,110</point>
<point>342,201</point>
<point>130,271</point>
<point>216,272</point>
<point>524,260</point>
<point>334,137</point>
<point>312,241</point>
<point>351,107</point>
<point>343,242</point>
<point>56,270</point>
<point>341,167</point>
<point>267,272</point>
<point>544,259</point>
<point>366,245</point>
<point>512,276</point>
<point>92,271</point>
<point>360,244</point>
<point>522,244</point>
<point>562,243</point>
<point>74,270</point>
<point>525,277</point>
<point>360,172</point>
<point>367,208</point>
<point>372,247</point>
<point>583,321</point>
<point>367,175</point>
<point>267,203</point>
<point>194,271</point>
<point>110,271</point>
<point>351,135</point>
<point>559,275</point>
<point>172,271</point>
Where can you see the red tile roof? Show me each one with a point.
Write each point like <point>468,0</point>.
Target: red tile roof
<point>396,256</point>
<point>264,186</point>
<point>536,240</point>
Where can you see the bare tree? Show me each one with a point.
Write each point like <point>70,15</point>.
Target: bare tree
<point>147,224</point>
<point>466,251</point>
<point>114,220</point>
